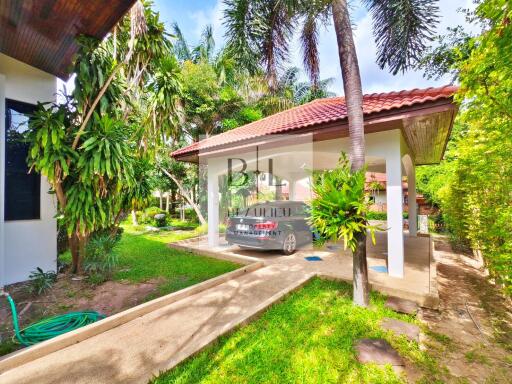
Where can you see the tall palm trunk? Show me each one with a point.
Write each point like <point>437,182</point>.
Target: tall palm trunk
<point>354,102</point>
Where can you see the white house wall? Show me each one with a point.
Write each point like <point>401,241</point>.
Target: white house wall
<point>25,244</point>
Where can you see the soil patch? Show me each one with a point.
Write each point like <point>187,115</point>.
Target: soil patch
<point>471,333</point>
<point>72,295</point>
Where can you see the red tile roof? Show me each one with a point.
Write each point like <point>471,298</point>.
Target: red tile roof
<point>318,112</point>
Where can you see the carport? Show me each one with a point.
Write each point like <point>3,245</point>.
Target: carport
<point>402,130</point>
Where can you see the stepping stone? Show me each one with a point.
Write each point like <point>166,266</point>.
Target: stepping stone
<point>411,331</point>
<point>377,351</point>
<point>402,305</point>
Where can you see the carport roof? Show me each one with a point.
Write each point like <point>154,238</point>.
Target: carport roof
<point>408,107</point>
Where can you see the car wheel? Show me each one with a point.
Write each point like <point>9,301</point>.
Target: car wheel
<point>289,244</point>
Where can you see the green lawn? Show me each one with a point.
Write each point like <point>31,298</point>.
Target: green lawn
<point>308,338</point>
<point>145,256</point>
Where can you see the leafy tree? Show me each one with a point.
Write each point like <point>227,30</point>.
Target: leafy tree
<point>473,185</point>
<point>207,102</point>
<point>177,172</point>
<point>91,147</point>
<point>259,32</point>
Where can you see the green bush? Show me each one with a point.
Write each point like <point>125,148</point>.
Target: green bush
<point>340,206</point>
<point>41,281</point>
<point>116,232</point>
<point>372,215</point>
<point>100,260</point>
<point>377,216</point>
<point>191,215</point>
<point>473,184</point>
<point>147,217</point>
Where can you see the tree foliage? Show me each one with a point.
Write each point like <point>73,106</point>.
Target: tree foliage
<point>473,185</point>
<point>93,148</point>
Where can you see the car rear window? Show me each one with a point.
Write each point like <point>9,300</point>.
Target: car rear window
<point>262,210</point>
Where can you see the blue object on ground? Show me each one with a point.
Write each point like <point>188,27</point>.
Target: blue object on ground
<point>313,258</point>
<point>380,268</point>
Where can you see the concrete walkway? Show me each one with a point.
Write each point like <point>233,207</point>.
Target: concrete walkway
<point>139,349</point>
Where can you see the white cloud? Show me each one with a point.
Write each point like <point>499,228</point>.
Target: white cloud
<point>213,16</point>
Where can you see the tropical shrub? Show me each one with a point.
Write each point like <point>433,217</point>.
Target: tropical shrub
<point>377,216</point>
<point>148,217</point>
<point>100,260</point>
<point>41,281</point>
<point>340,207</point>
<point>93,148</point>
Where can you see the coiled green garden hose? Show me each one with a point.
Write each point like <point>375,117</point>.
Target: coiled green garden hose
<point>52,326</point>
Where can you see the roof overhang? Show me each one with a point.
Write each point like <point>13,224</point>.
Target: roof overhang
<point>42,33</point>
<point>425,127</point>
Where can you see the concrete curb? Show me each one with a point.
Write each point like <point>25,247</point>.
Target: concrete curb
<point>28,354</point>
<point>214,254</point>
<point>434,292</point>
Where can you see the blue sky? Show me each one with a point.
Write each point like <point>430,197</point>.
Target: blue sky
<point>193,15</point>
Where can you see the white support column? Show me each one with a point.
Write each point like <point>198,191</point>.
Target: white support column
<point>213,204</point>
<point>411,187</point>
<point>394,214</point>
<point>291,189</point>
<point>2,179</point>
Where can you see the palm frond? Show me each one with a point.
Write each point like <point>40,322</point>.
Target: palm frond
<point>181,48</point>
<point>258,33</point>
<point>237,21</point>
<point>309,43</point>
<point>138,20</point>
<point>401,30</point>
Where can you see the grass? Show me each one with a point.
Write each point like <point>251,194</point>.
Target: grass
<point>8,346</point>
<point>146,256</point>
<point>308,338</point>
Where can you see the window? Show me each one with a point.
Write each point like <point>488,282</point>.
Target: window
<point>22,189</point>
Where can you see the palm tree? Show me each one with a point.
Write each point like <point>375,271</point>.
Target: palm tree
<point>259,31</point>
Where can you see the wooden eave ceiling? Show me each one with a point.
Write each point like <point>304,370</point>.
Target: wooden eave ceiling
<point>42,33</point>
<point>426,129</point>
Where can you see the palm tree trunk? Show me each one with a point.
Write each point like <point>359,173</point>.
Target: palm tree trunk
<point>354,102</point>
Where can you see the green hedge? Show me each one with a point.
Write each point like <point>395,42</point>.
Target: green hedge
<point>382,215</point>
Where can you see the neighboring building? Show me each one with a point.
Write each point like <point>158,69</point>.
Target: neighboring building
<point>36,47</point>
<point>379,196</point>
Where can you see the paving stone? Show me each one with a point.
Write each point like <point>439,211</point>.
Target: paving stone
<point>411,331</point>
<point>402,305</point>
<point>377,351</point>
